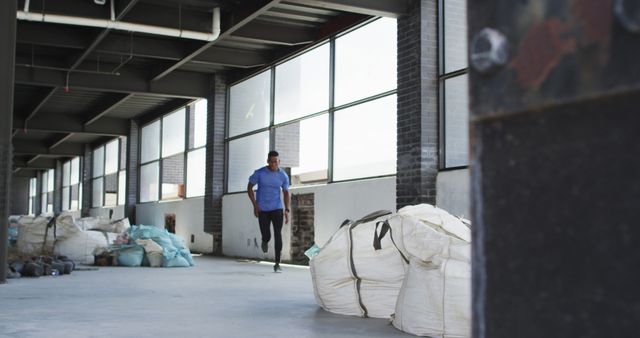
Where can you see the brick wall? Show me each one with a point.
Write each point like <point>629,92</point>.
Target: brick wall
<point>215,160</point>
<point>287,143</point>
<point>302,226</point>
<point>417,126</point>
<point>173,169</point>
<point>132,172</point>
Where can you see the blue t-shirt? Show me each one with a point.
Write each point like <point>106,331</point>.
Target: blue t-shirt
<point>269,184</point>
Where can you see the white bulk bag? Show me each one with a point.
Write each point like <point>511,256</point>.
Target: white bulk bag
<point>351,277</point>
<point>435,301</point>
<point>31,236</point>
<point>82,246</point>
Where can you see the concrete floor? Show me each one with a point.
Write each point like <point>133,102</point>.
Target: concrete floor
<point>219,297</point>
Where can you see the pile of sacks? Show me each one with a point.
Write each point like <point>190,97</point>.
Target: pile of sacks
<point>101,241</point>
<point>413,266</point>
<point>147,245</point>
<point>76,239</point>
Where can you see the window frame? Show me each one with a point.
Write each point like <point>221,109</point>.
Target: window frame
<point>189,111</point>
<point>332,108</point>
<point>120,167</point>
<point>443,76</point>
<point>70,184</point>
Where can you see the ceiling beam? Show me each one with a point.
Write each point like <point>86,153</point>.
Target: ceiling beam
<point>26,147</point>
<point>386,8</point>
<point>263,32</point>
<point>35,163</point>
<point>40,103</point>
<point>127,7</point>
<point>164,109</point>
<point>179,84</point>
<point>108,126</point>
<point>163,49</point>
<point>111,103</point>
<point>241,17</point>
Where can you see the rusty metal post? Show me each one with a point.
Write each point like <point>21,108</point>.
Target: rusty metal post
<point>7,62</point>
<point>555,126</point>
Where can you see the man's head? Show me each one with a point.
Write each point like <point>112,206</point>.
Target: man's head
<point>273,162</point>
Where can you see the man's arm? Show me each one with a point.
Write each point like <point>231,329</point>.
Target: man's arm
<point>286,205</point>
<point>252,197</point>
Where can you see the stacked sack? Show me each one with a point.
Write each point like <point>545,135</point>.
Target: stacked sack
<point>351,277</point>
<point>435,298</point>
<point>413,266</point>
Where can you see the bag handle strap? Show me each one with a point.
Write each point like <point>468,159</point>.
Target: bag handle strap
<point>377,238</point>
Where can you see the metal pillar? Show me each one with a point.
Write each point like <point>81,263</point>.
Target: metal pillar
<point>555,90</point>
<point>7,62</point>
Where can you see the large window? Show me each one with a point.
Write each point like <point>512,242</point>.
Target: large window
<point>454,102</point>
<point>169,143</point>
<point>71,186</point>
<point>335,103</point>
<point>109,174</point>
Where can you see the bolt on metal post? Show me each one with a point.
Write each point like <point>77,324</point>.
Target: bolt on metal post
<point>489,50</point>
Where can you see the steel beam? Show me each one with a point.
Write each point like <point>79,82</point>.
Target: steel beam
<point>244,15</point>
<point>180,84</point>
<point>108,126</point>
<point>386,8</point>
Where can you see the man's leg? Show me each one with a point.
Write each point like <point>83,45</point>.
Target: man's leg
<point>277,232</point>
<point>264,220</point>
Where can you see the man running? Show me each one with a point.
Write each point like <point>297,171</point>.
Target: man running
<point>267,205</point>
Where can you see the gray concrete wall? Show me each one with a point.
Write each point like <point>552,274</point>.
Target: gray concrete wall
<point>189,220</point>
<point>333,203</point>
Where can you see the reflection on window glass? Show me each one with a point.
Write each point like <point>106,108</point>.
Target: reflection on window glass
<point>50,178</point>
<point>43,203</point>
<point>66,171</point>
<point>75,170</point>
<point>195,172</point>
<point>246,155</point>
<point>97,192</point>
<point>150,147</point>
<point>456,119</point>
<point>76,196</point>
<point>111,190</point>
<point>98,162</point>
<point>302,85</point>
<point>111,157</point>
<point>43,188</point>
<point>173,133</point>
<point>303,147</point>
<point>172,177</point>
<point>122,185</point>
<point>455,35</point>
<point>199,116</point>
<point>149,178</point>
<point>65,198</point>
<point>366,61</point>
<point>365,140</point>
<point>249,104</point>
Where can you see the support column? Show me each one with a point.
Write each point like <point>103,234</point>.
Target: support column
<point>87,186</point>
<point>417,126</point>
<point>57,188</point>
<point>215,160</point>
<point>554,171</point>
<point>7,64</point>
<point>132,172</point>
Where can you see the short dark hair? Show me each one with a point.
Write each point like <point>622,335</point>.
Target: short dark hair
<point>273,153</point>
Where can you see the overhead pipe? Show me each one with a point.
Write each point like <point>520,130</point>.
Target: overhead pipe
<point>124,26</point>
